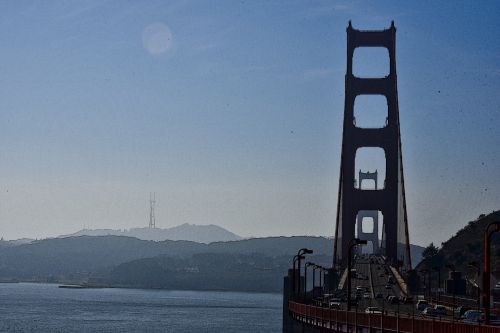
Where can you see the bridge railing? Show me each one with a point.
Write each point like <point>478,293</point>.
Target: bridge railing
<point>333,320</point>
<point>449,302</point>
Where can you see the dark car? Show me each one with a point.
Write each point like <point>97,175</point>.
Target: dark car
<point>421,305</point>
<point>462,310</point>
<point>393,300</point>
<point>430,312</point>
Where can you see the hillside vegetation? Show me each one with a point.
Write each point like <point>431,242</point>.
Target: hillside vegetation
<point>466,246</point>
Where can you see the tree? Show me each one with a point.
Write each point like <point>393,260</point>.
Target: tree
<point>430,251</point>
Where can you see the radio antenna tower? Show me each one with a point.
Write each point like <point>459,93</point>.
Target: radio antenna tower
<point>152,202</point>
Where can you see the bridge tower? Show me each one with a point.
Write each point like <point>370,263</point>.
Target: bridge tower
<point>372,236</point>
<point>390,199</point>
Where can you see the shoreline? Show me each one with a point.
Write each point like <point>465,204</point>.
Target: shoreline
<point>84,286</point>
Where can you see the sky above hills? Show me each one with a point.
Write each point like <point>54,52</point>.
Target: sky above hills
<point>231,111</point>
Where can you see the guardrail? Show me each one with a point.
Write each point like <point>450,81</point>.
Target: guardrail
<point>332,320</point>
<point>448,302</point>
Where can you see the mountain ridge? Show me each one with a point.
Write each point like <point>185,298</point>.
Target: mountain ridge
<point>206,234</point>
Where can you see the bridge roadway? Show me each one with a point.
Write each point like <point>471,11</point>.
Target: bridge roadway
<point>375,276</point>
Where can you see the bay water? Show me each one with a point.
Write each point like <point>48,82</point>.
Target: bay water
<point>35,307</point>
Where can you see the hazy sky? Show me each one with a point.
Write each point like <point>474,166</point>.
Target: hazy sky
<point>231,111</point>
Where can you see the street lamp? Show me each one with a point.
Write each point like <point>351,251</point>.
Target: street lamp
<point>452,267</point>
<point>294,277</point>
<point>307,264</point>
<point>354,242</point>
<point>320,271</point>
<point>426,281</point>
<point>438,270</point>
<point>300,256</point>
<point>475,264</point>
<point>315,267</point>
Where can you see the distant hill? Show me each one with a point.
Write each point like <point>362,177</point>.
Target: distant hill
<point>83,256</point>
<point>204,271</point>
<point>467,246</point>
<point>249,265</point>
<point>15,242</point>
<point>105,259</point>
<point>88,255</point>
<point>189,232</point>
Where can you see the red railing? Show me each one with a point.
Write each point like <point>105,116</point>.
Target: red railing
<point>472,303</point>
<point>332,320</point>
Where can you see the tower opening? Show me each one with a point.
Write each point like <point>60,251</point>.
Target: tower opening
<point>370,62</point>
<point>370,111</point>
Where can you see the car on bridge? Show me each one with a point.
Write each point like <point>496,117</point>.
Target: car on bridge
<point>334,305</point>
<point>476,317</point>
<point>473,316</point>
<point>429,312</point>
<point>422,305</point>
<point>461,310</point>
<point>406,299</point>
<point>373,309</point>
<point>440,310</point>
<point>393,300</point>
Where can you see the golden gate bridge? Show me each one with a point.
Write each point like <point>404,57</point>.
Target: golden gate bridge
<point>387,296</point>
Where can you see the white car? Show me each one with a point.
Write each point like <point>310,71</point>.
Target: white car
<point>335,305</point>
<point>373,309</point>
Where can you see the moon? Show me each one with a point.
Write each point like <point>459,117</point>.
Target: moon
<point>157,38</point>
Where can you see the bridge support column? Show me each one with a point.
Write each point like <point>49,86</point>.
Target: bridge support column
<point>390,199</point>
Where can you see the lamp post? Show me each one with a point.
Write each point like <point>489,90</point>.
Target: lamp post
<point>422,271</point>
<point>452,267</point>
<point>294,277</point>
<point>300,255</point>
<point>488,232</point>
<point>307,264</point>
<point>320,271</point>
<point>438,270</point>
<point>354,242</point>
<point>426,281</point>
<point>314,279</point>
<point>475,264</point>
<point>326,271</point>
